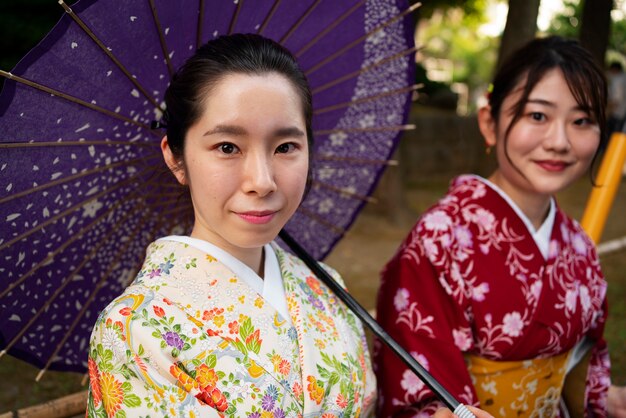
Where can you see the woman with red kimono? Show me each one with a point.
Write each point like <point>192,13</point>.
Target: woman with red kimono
<point>496,291</point>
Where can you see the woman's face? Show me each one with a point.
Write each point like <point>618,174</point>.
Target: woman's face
<point>549,147</point>
<point>246,161</point>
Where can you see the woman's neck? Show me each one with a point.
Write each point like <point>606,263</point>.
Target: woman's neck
<point>534,205</point>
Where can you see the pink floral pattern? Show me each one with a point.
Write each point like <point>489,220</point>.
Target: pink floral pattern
<point>188,338</point>
<point>473,281</point>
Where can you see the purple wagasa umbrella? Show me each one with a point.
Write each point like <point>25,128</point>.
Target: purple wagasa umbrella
<point>83,185</point>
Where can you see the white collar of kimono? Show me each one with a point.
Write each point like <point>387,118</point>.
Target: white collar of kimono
<point>271,288</point>
<point>541,235</point>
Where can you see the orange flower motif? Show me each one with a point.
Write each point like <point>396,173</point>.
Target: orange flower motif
<point>94,381</point>
<point>214,398</point>
<point>166,300</point>
<point>206,377</point>
<point>233,327</point>
<point>297,389</point>
<point>341,401</point>
<point>183,378</point>
<point>112,394</point>
<point>316,392</point>
<point>314,284</point>
<point>119,327</point>
<point>126,311</point>
<point>140,363</point>
<point>284,367</point>
<point>329,415</point>
<point>212,333</point>
<point>158,311</point>
<point>221,403</point>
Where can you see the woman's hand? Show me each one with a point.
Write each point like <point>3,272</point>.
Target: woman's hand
<point>446,413</point>
<point>616,402</point>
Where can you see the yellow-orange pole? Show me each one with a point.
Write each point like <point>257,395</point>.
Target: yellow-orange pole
<point>608,180</point>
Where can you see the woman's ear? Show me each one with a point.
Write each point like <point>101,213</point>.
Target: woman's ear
<point>487,125</point>
<point>171,162</point>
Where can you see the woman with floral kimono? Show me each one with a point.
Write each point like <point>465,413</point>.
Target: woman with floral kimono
<point>224,322</point>
<point>496,291</point>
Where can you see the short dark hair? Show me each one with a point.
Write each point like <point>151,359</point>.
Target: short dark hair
<point>229,54</point>
<point>532,61</point>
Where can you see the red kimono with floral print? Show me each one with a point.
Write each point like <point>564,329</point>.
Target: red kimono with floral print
<point>469,278</point>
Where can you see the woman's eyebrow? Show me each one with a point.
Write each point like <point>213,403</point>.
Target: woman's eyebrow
<point>289,131</point>
<point>542,102</point>
<point>231,130</point>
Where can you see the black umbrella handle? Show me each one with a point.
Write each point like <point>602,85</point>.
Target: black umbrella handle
<point>441,392</point>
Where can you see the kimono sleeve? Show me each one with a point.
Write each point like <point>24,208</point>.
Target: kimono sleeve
<point>132,364</point>
<point>598,372</point>
<point>422,316</point>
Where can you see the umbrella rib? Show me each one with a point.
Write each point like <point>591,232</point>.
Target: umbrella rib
<point>67,280</point>
<point>338,158</point>
<point>365,69</point>
<point>66,244</point>
<point>368,129</point>
<point>359,40</point>
<point>368,99</point>
<point>159,29</point>
<point>73,99</point>
<point>299,22</point>
<point>321,221</point>
<point>233,20</point>
<point>199,25</point>
<point>72,143</point>
<point>104,49</point>
<point>67,179</point>
<point>101,282</point>
<point>176,210</point>
<point>329,28</point>
<point>268,17</point>
<point>345,192</point>
<point>70,210</point>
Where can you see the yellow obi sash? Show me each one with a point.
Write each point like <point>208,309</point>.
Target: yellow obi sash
<point>527,388</point>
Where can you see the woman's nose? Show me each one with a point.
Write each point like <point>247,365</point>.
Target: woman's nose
<point>558,138</point>
<point>259,175</point>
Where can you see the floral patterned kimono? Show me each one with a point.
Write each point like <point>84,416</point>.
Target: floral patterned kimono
<point>470,295</point>
<point>189,338</point>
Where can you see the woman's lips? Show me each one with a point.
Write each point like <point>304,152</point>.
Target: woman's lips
<point>257,217</point>
<point>553,165</point>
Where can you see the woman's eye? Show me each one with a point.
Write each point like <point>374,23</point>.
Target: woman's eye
<point>583,122</point>
<point>285,148</point>
<point>537,116</point>
<point>227,148</point>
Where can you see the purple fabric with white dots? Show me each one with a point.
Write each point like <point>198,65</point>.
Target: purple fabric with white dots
<point>79,206</point>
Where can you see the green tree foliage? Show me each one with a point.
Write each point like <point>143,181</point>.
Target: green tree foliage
<point>451,34</point>
<point>567,23</point>
<point>470,8</point>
